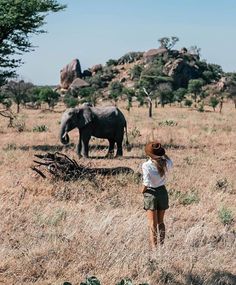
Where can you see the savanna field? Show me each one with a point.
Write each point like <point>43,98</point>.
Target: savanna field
<point>56,231</point>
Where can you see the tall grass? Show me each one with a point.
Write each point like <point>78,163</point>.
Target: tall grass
<point>54,231</point>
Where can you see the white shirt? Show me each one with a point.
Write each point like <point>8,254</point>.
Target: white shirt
<point>151,176</point>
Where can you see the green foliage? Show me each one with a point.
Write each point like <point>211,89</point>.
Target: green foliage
<point>136,71</point>
<point>49,96</point>
<point>179,94</point>
<point>188,102</point>
<point>189,198</point>
<point>116,86</point>
<point>18,91</point>
<point>201,107</point>
<point>226,216</point>
<point>130,93</point>
<point>70,101</point>
<point>112,62</point>
<point>214,102</point>
<point>18,21</point>
<point>195,87</point>
<point>169,123</point>
<point>40,128</point>
<point>95,81</point>
<point>86,92</point>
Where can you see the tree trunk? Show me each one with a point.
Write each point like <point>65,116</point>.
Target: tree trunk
<point>18,108</point>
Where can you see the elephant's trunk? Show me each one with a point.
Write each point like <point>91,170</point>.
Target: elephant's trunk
<point>64,137</point>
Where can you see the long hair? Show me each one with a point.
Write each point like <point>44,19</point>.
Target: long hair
<point>161,165</point>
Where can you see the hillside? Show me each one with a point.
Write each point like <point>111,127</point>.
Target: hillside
<point>168,76</point>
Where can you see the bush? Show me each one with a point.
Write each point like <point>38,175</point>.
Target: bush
<point>201,108</point>
<point>40,128</point>
<point>70,101</point>
<point>169,123</point>
<point>188,102</point>
<point>189,198</point>
<point>214,102</point>
<point>226,216</point>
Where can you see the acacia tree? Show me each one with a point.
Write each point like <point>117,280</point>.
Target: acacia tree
<point>19,20</point>
<point>18,91</point>
<point>168,42</point>
<point>195,87</point>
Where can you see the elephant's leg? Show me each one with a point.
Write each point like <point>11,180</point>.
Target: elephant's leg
<point>110,149</point>
<point>85,137</point>
<point>119,148</point>
<point>79,147</point>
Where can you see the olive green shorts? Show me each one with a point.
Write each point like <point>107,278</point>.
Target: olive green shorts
<point>156,198</point>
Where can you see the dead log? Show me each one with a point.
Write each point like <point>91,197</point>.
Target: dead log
<point>60,166</point>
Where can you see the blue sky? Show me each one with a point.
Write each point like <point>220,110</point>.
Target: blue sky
<point>96,30</point>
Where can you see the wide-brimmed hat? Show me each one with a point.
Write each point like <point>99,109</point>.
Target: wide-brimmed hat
<point>154,149</point>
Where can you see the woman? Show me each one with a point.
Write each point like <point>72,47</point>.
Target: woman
<point>154,190</point>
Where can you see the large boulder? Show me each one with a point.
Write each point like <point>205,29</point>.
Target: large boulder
<point>96,68</point>
<point>78,83</point>
<point>70,72</point>
<point>181,71</point>
<point>151,54</point>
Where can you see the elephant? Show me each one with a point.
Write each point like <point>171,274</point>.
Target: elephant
<point>101,122</point>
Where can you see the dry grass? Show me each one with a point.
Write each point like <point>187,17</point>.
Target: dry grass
<point>54,231</point>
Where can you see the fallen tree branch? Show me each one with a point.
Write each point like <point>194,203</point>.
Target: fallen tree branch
<point>62,167</point>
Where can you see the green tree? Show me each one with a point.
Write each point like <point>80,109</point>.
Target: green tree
<point>86,92</point>
<point>18,21</point>
<point>195,87</point>
<point>49,96</point>
<point>115,88</point>
<point>70,101</point>
<point>179,94</point>
<point>165,94</point>
<point>112,62</point>
<point>18,91</point>
<point>214,102</point>
<point>130,93</point>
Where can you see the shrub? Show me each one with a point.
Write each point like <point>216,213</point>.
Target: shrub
<point>169,123</point>
<point>201,108</point>
<point>214,102</point>
<point>111,62</point>
<point>188,102</point>
<point>189,198</point>
<point>70,101</point>
<point>226,216</point>
<point>40,128</point>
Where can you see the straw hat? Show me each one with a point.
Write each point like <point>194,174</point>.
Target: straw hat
<point>154,149</point>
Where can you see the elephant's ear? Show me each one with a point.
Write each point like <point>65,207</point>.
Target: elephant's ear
<point>85,116</point>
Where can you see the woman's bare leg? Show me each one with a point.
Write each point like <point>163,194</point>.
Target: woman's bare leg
<point>161,225</point>
<point>152,223</point>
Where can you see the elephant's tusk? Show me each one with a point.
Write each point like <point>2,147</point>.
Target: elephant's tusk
<point>65,134</point>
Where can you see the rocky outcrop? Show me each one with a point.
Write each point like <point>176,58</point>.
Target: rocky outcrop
<point>130,57</point>
<point>70,72</point>
<point>151,54</point>
<point>181,71</point>
<point>96,68</point>
<point>78,83</point>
